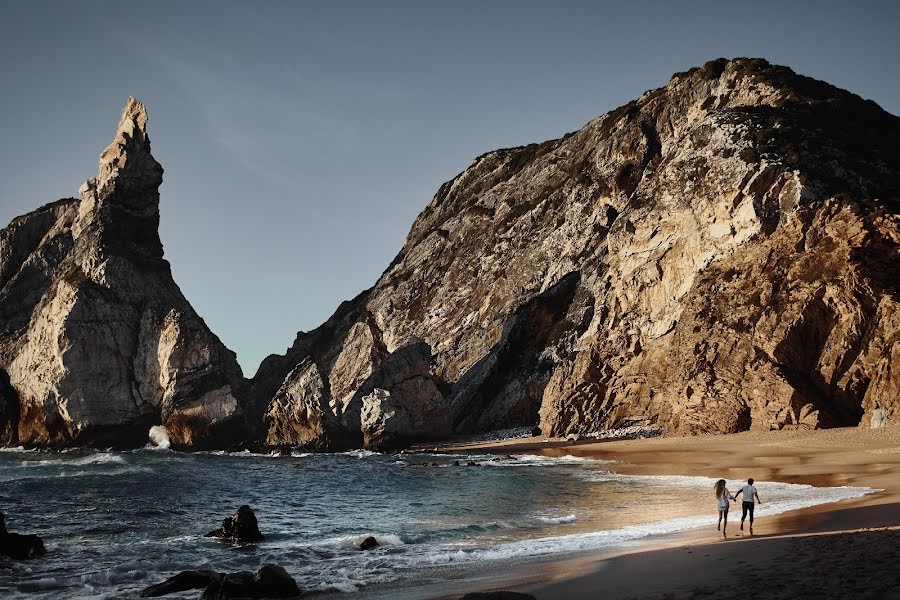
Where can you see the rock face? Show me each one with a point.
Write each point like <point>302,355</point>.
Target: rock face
<point>720,254</point>
<point>97,342</point>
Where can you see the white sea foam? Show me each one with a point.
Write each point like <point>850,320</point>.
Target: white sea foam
<point>159,435</point>
<point>16,449</point>
<point>361,453</point>
<point>558,520</point>
<point>100,458</point>
<point>536,460</point>
<point>353,541</point>
<point>800,496</point>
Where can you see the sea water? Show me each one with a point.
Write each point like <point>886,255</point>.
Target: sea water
<point>116,522</point>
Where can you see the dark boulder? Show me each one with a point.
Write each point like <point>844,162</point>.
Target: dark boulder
<point>369,543</point>
<point>240,528</point>
<point>186,580</point>
<point>499,595</point>
<point>18,546</point>
<point>271,581</point>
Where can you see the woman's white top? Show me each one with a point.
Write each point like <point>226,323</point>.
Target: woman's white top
<point>722,502</point>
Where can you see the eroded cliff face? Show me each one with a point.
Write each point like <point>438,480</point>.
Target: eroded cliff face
<point>720,254</point>
<point>97,343</point>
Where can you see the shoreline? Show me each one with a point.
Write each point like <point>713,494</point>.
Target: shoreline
<point>686,563</point>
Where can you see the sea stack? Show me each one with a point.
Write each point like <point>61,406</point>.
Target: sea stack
<point>97,342</point>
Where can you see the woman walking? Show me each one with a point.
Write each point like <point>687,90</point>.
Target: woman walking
<point>723,496</point>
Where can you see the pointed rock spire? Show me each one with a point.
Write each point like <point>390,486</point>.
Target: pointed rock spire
<point>124,196</point>
<point>127,166</point>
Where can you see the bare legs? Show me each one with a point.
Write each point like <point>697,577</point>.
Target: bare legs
<point>723,521</point>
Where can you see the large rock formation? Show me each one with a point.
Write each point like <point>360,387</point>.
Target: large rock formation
<point>720,254</point>
<point>97,343</point>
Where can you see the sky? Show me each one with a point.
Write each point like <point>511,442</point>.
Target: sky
<point>301,139</point>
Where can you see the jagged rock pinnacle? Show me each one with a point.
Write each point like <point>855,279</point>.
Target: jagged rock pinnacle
<point>127,162</point>
<point>129,177</point>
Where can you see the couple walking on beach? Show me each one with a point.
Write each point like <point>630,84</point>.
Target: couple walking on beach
<point>750,499</point>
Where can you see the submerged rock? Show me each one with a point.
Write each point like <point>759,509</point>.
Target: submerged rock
<point>240,528</point>
<point>498,595</point>
<point>19,546</point>
<point>271,581</point>
<point>369,543</point>
<point>186,580</point>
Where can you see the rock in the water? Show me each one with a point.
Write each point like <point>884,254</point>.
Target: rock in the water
<point>19,546</point>
<point>718,255</point>
<point>97,341</point>
<point>186,580</point>
<point>271,581</point>
<point>499,595</point>
<point>369,543</point>
<point>240,528</point>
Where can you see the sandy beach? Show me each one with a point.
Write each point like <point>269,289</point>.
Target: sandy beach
<point>846,549</point>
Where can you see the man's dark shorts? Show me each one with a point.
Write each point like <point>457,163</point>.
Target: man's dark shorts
<point>747,507</point>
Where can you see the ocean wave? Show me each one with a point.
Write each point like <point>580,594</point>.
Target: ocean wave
<point>65,474</point>
<point>352,541</point>
<point>558,520</point>
<point>537,460</point>
<point>582,542</point>
<point>361,453</point>
<point>90,459</point>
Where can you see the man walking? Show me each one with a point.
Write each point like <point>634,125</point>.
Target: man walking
<point>749,495</point>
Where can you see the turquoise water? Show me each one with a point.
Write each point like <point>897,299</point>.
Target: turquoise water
<point>114,523</point>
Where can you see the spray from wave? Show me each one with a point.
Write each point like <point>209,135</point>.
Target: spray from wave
<point>160,437</point>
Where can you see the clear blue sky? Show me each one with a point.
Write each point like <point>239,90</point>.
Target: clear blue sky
<point>300,139</point>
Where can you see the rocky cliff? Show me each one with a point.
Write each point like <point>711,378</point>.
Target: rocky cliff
<point>97,343</point>
<point>719,255</point>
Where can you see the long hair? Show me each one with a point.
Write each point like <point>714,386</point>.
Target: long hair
<point>720,488</point>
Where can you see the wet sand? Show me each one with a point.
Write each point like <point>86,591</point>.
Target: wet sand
<point>847,549</point>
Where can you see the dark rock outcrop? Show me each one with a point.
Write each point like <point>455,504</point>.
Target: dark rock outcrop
<point>19,546</point>
<point>271,581</point>
<point>97,342</point>
<point>369,543</point>
<point>719,255</point>
<point>239,528</point>
<point>186,580</point>
<point>498,595</point>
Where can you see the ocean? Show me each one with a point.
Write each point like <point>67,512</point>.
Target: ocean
<point>116,522</point>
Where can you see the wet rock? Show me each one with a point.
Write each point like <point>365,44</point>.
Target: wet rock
<point>186,580</point>
<point>240,528</point>
<point>498,595</point>
<point>271,581</point>
<point>19,546</point>
<point>369,543</point>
